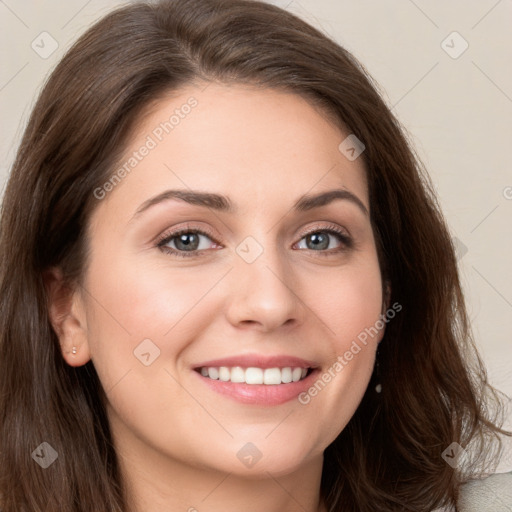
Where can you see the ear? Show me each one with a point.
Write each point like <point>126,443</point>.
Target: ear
<point>67,316</point>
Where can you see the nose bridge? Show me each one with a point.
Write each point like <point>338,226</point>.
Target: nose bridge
<point>263,285</point>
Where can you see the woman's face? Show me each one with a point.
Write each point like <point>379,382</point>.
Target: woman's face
<point>258,276</point>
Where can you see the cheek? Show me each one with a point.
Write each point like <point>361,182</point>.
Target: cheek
<point>147,300</point>
<point>348,301</point>
<point>133,302</point>
<point>350,307</point>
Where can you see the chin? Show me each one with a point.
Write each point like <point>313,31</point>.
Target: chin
<point>256,460</point>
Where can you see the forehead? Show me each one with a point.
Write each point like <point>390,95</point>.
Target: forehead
<point>258,146</point>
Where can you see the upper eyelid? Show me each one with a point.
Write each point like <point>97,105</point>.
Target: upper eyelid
<point>328,228</point>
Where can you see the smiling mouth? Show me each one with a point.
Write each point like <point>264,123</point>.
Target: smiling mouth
<point>254,375</point>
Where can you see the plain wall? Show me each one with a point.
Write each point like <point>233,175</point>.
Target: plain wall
<point>455,105</point>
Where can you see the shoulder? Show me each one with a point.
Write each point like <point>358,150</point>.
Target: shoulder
<point>491,493</point>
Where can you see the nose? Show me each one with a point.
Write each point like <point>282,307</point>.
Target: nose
<point>264,294</point>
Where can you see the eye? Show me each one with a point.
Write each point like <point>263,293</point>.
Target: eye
<point>321,240</point>
<point>184,241</point>
<point>190,242</point>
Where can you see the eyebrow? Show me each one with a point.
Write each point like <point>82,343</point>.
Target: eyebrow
<point>222,203</point>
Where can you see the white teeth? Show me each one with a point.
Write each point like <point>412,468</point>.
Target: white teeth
<point>224,373</point>
<point>272,376</point>
<point>237,374</point>
<point>213,373</point>
<point>252,375</point>
<point>286,375</point>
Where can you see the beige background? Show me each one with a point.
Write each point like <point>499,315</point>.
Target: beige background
<point>456,106</point>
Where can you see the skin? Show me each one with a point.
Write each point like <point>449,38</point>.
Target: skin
<point>178,440</point>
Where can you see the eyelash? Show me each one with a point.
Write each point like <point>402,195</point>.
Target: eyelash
<point>346,241</point>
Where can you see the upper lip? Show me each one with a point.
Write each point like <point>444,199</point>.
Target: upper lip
<point>259,361</point>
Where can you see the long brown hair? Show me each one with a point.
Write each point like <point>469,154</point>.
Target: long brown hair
<point>434,386</point>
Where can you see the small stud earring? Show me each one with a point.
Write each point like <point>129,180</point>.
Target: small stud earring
<point>73,350</point>
<point>378,387</point>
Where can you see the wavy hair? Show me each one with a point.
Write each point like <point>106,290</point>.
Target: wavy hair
<point>435,389</point>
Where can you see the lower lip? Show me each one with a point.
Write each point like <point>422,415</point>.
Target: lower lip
<point>260,394</point>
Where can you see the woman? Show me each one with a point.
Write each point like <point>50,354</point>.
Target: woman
<point>233,287</point>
